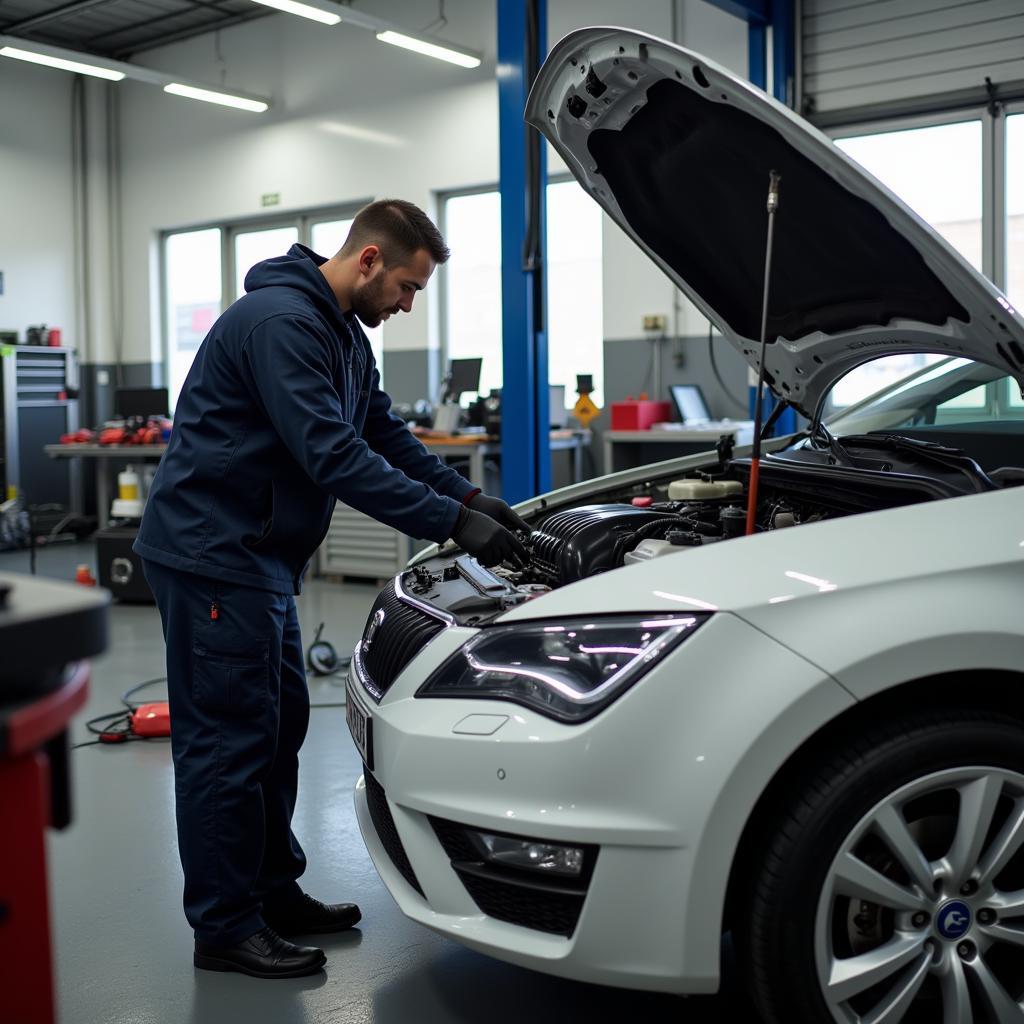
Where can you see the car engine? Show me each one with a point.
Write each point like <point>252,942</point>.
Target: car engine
<point>575,543</point>
<point>663,516</point>
<point>581,542</point>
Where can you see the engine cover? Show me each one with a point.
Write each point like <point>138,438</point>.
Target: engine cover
<point>580,542</point>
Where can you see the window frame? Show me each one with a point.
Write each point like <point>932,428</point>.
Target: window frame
<point>993,169</point>
<point>442,198</point>
<point>304,220</point>
<point>1014,108</point>
<point>994,211</point>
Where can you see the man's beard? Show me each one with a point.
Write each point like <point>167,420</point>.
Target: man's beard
<point>367,302</point>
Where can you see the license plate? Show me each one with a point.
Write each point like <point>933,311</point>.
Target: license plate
<point>360,725</point>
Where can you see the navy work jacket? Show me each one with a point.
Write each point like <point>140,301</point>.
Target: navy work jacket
<point>282,414</point>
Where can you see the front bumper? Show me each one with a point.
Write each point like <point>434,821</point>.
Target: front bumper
<point>661,783</point>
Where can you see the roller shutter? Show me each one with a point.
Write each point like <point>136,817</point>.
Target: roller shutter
<point>863,53</point>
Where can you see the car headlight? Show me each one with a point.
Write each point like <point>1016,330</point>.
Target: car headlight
<point>568,670</point>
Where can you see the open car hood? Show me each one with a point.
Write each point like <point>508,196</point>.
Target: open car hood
<point>678,150</point>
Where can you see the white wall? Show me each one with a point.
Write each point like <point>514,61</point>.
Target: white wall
<point>36,244</point>
<point>633,287</point>
<point>185,163</point>
<point>101,323</point>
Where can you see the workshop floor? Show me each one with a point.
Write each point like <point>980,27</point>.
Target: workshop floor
<point>124,951</point>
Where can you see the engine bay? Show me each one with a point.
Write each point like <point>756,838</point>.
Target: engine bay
<point>664,516</point>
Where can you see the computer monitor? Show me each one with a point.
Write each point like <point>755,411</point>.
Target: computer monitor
<point>463,375</point>
<point>130,402</point>
<point>559,416</point>
<point>689,403</point>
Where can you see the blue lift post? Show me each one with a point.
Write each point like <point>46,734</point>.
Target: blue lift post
<point>525,413</point>
<point>759,15</point>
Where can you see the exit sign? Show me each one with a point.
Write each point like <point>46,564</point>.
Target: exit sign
<point>270,199</point>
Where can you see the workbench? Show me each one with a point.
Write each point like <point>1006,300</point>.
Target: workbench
<point>477,447</point>
<point>102,454</point>
<point>627,449</point>
<point>474,447</point>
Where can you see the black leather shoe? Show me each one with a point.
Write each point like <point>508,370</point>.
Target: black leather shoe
<point>307,916</point>
<point>263,955</point>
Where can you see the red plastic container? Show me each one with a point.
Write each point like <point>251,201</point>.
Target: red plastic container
<point>639,414</point>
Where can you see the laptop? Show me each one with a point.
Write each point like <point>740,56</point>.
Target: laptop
<point>689,403</point>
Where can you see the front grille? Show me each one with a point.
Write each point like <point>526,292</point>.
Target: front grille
<point>453,839</point>
<point>401,634</point>
<point>380,814</point>
<point>519,897</point>
<point>552,912</point>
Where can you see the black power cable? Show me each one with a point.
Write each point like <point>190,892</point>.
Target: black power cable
<point>741,402</point>
<point>117,724</point>
<point>322,661</point>
<point>135,689</point>
<point>117,728</point>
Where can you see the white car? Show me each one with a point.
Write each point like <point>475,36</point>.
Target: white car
<point>663,729</point>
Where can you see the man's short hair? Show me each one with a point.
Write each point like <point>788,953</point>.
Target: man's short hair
<point>399,228</point>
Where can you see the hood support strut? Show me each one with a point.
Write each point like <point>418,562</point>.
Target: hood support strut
<point>755,460</point>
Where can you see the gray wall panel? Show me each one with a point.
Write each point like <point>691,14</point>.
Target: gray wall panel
<point>628,370</point>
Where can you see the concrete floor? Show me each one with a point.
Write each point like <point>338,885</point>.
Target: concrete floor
<point>124,951</point>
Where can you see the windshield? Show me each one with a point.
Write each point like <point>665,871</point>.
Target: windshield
<point>949,391</point>
<point>951,401</point>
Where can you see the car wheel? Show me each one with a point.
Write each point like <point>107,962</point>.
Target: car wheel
<point>890,887</point>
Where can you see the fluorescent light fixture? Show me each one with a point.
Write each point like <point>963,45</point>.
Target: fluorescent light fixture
<point>302,10</point>
<point>209,96</point>
<point>446,53</point>
<point>116,70</point>
<point>59,62</point>
<point>329,12</point>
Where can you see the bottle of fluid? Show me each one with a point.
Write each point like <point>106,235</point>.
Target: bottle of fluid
<point>128,485</point>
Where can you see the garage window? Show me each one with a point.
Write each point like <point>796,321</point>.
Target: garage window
<point>964,175</point>
<point>204,271</point>
<point>472,285</point>
<point>1015,208</point>
<point>936,170</point>
<point>193,293</point>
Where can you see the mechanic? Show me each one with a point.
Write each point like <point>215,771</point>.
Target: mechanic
<point>282,414</point>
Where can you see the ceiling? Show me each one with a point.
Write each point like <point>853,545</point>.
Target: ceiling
<point>120,28</point>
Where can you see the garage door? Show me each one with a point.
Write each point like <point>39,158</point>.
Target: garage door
<point>858,53</point>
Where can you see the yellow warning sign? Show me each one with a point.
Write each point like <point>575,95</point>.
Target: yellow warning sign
<point>585,410</point>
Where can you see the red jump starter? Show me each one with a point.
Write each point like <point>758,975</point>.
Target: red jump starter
<point>152,719</point>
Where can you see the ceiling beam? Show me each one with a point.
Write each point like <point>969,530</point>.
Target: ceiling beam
<point>122,53</point>
<point>57,14</point>
<point>219,17</point>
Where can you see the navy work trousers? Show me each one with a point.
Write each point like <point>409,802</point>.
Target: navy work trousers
<point>239,711</point>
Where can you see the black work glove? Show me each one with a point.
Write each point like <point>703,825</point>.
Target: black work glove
<point>487,541</point>
<point>498,510</point>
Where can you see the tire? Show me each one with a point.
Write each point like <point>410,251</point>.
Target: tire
<point>890,886</point>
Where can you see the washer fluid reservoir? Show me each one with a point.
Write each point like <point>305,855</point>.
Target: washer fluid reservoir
<point>703,490</point>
